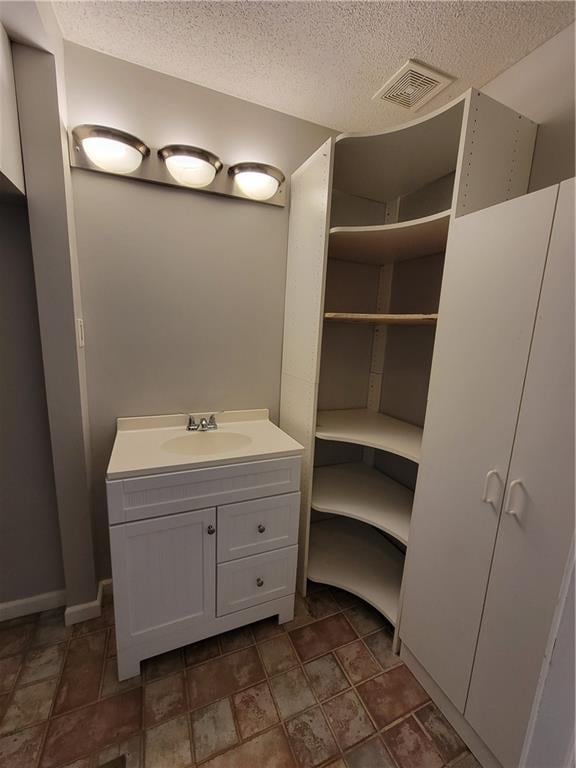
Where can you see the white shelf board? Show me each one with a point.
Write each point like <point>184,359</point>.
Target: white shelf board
<point>372,429</point>
<point>363,493</point>
<point>387,243</point>
<point>355,557</point>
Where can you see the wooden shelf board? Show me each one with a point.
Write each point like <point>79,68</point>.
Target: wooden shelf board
<point>387,243</point>
<point>380,319</point>
<point>355,557</point>
<point>363,493</point>
<point>372,429</point>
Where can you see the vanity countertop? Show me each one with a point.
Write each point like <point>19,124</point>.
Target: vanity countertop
<point>150,445</point>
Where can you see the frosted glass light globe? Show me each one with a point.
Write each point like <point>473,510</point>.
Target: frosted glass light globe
<point>112,155</point>
<point>257,184</point>
<point>190,171</point>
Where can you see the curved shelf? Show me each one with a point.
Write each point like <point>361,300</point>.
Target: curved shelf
<point>365,494</point>
<point>355,557</point>
<point>372,429</point>
<point>387,243</point>
<point>375,319</point>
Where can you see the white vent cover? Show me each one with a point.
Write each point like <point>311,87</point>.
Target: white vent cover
<point>413,85</point>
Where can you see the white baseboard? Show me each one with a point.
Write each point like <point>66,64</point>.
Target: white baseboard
<point>84,611</point>
<point>35,604</point>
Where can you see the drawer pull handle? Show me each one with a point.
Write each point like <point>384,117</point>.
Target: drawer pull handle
<point>261,528</point>
<point>211,529</point>
<point>259,582</point>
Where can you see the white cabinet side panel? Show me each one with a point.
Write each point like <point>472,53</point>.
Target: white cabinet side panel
<point>306,267</point>
<point>533,545</point>
<point>496,156</point>
<point>10,152</point>
<point>493,272</point>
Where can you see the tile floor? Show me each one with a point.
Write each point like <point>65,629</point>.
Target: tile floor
<point>323,691</point>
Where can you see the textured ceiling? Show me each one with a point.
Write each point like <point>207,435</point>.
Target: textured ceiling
<point>321,61</point>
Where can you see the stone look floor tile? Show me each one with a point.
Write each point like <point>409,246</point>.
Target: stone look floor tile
<point>236,639</point>
<point>164,664</point>
<point>357,662</point>
<point>15,638</point>
<point>337,764</point>
<point>302,615</point>
<point>51,628</point>
<point>105,620</point>
<point>99,724</point>
<point>80,683</point>
<point>255,710</point>
<point>164,699</point>
<point>466,761</point>
<point>291,693</point>
<point>130,748</point>
<point>168,745</point>
<point>42,664</point>
<point>278,655</point>
<point>326,676</point>
<point>266,629</point>
<point>380,645</point>
<point>410,746</point>
<point>370,754</point>
<point>111,645</point>
<point>223,677</point>
<point>202,651</point>
<point>22,749</point>
<point>322,636</point>
<point>213,729</point>
<point>344,599</point>
<point>348,719</point>
<point>110,683</point>
<point>392,695</point>
<point>445,738</point>
<point>270,750</point>
<point>365,619</point>
<point>311,739</point>
<point>9,667</point>
<point>322,604</point>
<point>28,705</point>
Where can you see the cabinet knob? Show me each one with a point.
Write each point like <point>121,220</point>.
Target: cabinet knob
<point>211,529</point>
<point>261,528</point>
<point>259,582</point>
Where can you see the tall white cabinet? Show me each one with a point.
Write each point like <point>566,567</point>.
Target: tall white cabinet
<point>493,514</point>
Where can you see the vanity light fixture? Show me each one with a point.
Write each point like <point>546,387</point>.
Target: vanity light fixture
<point>190,166</point>
<point>257,180</point>
<point>110,149</point>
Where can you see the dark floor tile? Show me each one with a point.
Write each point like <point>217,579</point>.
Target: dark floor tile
<point>223,677</point>
<point>291,692</point>
<point>370,754</point>
<point>42,664</point>
<point>392,695</point>
<point>28,705</point>
<point>202,651</point>
<point>322,636</point>
<point>22,749</point>
<point>365,619</point>
<point>326,676</point>
<point>168,745</point>
<point>163,699</point>
<point>105,620</point>
<point>311,739</point>
<point>213,729</point>
<point>380,645</point>
<point>447,741</point>
<point>255,710</point>
<point>14,639</point>
<point>322,604</point>
<point>278,655</point>
<point>130,749</point>
<point>163,665</point>
<point>111,686</point>
<point>466,761</point>
<point>315,586</point>
<point>266,629</point>
<point>357,661</point>
<point>344,599</point>
<point>410,746</point>
<point>269,750</point>
<point>9,668</point>
<point>111,646</point>
<point>80,682</point>
<point>51,628</point>
<point>92,728</point>
<point>348,719</point>
<point>302,615</point>
<point>236,639</point>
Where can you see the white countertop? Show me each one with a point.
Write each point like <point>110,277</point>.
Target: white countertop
<point>150,445</point>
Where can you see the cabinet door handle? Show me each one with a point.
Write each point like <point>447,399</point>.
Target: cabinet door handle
<point>485,498</point>
<point>259,582</point>
<point>509,506</point>
<point>261,528</point>
<point>211,529</point>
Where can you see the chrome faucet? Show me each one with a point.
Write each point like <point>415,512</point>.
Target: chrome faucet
<point>205,425</point>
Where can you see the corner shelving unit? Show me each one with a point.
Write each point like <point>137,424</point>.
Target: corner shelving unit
<point>369,225</point>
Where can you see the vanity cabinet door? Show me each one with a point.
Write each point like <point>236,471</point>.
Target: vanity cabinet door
<point>164,574</point>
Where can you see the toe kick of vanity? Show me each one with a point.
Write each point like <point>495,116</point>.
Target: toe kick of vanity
<point>199,552</point>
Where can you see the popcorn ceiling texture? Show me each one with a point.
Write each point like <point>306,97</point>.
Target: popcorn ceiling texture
<point>320,61</point>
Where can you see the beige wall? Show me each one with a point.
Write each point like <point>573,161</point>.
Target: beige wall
<point>541,86</point>
<point>183,292</point>
<point>10,156</point>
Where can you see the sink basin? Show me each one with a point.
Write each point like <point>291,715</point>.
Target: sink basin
<point>206,443</point>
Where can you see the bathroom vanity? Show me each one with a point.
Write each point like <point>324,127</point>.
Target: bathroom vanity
<point>203,529</point>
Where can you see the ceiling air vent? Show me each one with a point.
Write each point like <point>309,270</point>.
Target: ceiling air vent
<point>413,85</point>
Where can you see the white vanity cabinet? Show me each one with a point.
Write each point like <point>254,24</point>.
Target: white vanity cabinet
<point>201,551</point>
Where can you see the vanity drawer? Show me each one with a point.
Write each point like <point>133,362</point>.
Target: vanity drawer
<point>258,579</point>
<point>138,498</point>
<point>256,526</point>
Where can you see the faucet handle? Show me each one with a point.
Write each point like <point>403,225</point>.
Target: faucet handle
<point>212,422</point>
<point>192,426</point>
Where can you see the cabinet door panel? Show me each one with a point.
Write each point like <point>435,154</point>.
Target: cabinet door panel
<point>164,573</point>
<point>492,276</point>
<point>533,545</point>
